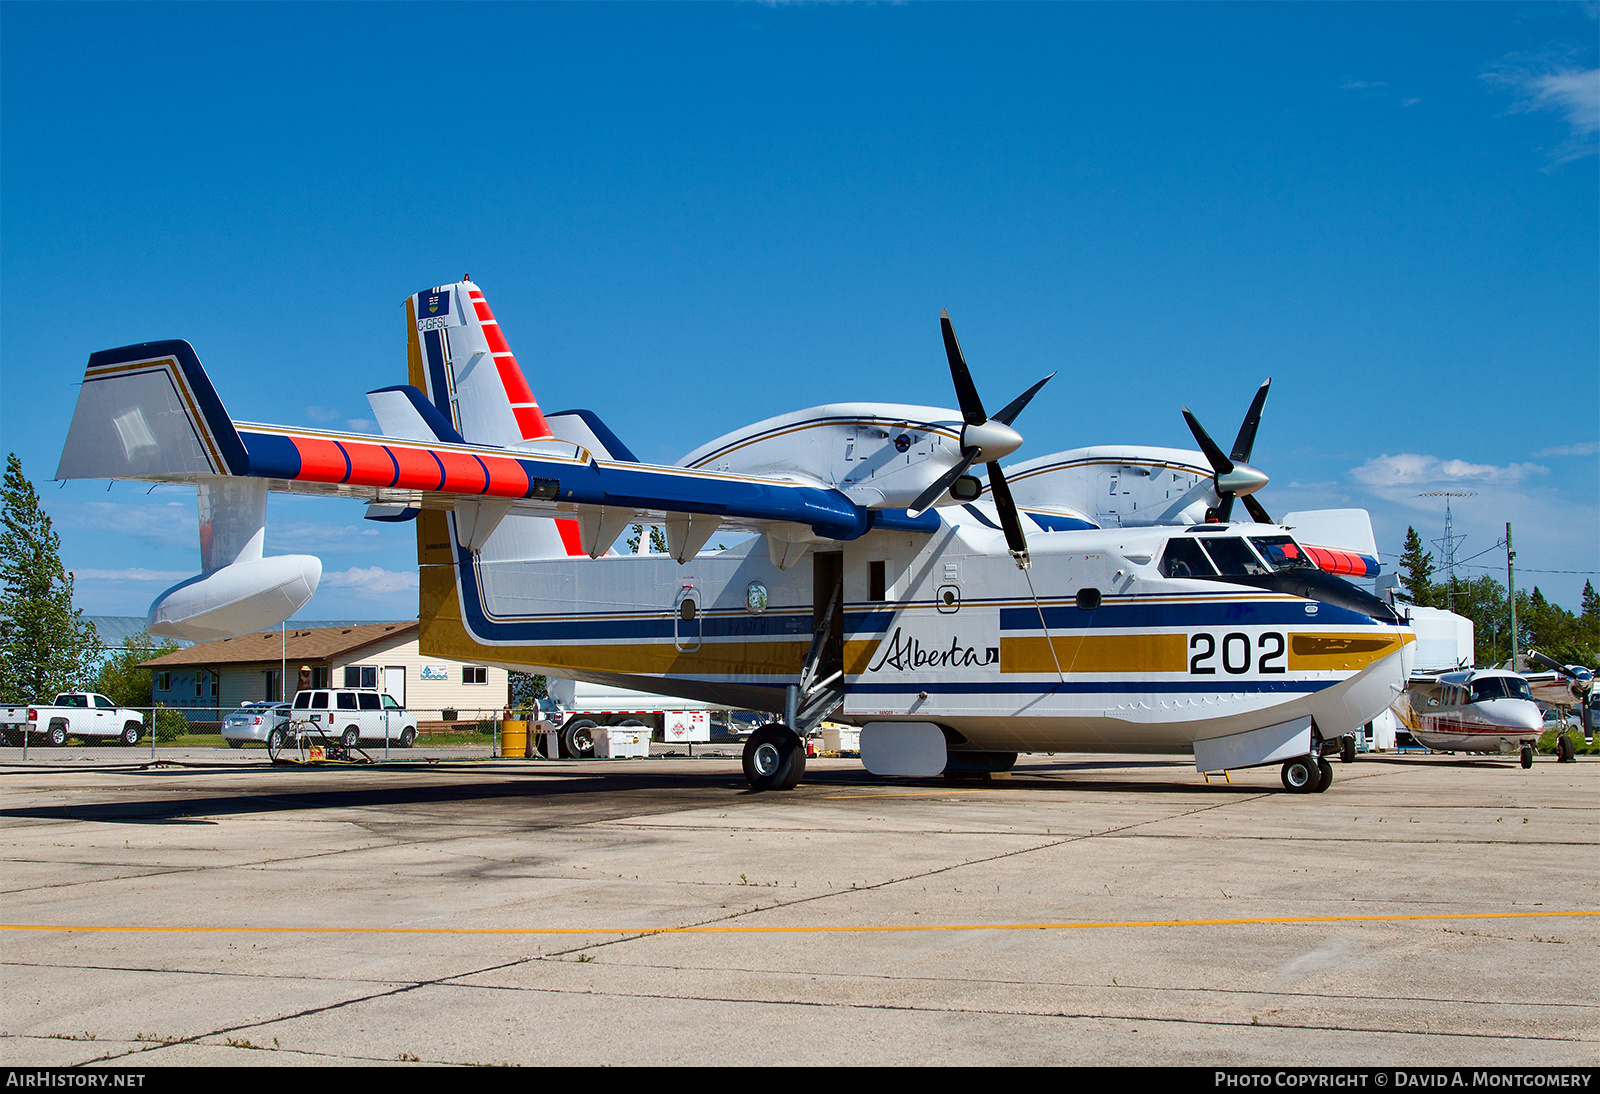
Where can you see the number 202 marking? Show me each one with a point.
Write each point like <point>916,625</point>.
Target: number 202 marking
<point>1236,653</point>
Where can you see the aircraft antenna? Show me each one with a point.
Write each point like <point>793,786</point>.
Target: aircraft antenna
<point>1450,545</point>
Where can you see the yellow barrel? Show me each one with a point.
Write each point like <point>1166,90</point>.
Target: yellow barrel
<point>514,739</point>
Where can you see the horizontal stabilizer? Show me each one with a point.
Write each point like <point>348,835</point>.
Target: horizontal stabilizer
<point>149,411</point>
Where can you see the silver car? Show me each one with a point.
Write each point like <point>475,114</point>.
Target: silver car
<point>253,722</point>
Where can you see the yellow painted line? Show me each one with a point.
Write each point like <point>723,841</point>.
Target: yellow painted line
<point>915,793</point>
<point>858,929</point>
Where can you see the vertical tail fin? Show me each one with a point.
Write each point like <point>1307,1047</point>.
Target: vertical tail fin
<point>460,357</point>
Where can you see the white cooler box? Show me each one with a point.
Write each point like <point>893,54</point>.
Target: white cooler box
<point>622,743</point>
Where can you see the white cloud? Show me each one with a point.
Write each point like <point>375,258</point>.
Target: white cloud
<point>1547,84</point>
<point>173,523</point>
<point>321,414</point>
<point>361,425</point>
<point>1410,469</point>
<point>1586,448</point>
<point>371,581</point>
<point>133,573</point>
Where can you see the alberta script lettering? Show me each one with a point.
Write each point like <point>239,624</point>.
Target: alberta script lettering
<point>907,654</point>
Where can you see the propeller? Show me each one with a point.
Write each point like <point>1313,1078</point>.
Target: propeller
<point>985,438</point>
<point>1232,474</point>
<point>1582,679</point>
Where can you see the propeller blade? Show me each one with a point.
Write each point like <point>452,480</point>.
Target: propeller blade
<point>1224,508</point>
<point>1257,512</point>
<point>1010,519</point>
<point>1247,429</point>
<point>966,391</point>
<point>943,483</point>
<point>1014,407</point>
<point>1552,664</point>
<point>1219,463</point>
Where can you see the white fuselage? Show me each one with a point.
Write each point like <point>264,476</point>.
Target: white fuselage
<point>1481,710</point>
<point>945,628</point>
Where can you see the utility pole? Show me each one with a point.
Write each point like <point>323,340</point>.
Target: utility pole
<point>1511,596</point>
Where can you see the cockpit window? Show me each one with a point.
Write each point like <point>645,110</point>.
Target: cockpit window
<point>1233,557</point>
<point>1282,553</point>
<point>1500,687</point>
<point>1183,558</point>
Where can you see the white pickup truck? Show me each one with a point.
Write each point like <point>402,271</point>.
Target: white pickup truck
<point>82,714</point>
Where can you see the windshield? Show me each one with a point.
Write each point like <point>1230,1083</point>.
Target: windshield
<point>1282,553</point>
<point>1500,687</point>
<point>1233,557</point>
<point>1183,558</point>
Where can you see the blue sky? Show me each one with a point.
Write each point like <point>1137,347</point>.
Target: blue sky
<point>688,217</point>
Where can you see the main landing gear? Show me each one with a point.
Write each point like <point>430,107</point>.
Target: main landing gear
<point>774,758</point>
<point>1307,775</point>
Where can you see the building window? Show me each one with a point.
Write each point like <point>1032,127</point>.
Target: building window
<point>474,674</point>
<point>319,676</point>
<point>163,681</point>
<point>273,692</point>
<point>360,676</point>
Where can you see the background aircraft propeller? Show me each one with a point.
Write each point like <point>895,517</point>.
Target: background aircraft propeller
<point>986,438</point>
<point>1232,475</point>
<point>1582,679</point>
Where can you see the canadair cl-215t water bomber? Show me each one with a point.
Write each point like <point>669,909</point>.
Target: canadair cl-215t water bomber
<point>887,586</point>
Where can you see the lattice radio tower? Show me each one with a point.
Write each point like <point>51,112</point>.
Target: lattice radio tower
<point>1451,543</point>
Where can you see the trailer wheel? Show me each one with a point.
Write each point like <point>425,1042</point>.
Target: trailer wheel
<point>578,737</point>
<point>1300,775</point>
<point>56,735</point>
<point>774,758</point>
<point>275,742</point>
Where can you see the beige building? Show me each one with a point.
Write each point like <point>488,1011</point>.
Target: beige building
<point>221,675</point>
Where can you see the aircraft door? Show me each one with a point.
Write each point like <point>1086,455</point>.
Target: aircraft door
<point>827,575</point>
<point>687,617</point>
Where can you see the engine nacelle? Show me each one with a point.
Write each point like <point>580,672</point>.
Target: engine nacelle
<point>236,599</point>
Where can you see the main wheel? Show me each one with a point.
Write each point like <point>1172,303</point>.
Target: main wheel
<point>1527,755</point>
<point>1565,752</point>
<point>1301,776</point>
<point>56,735</point>
<point>1324,776</point>
<point>350,738</point>
<point>1347,750</point>
<point>578,737</point>
<point>275,742</point>
<point>408,737</point>
<point>774,758</point>
<point>131,732</point>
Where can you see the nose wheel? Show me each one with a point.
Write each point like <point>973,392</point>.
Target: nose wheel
<point>1307,775</point>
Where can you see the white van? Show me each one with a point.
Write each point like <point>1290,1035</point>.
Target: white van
<point>352,715</point>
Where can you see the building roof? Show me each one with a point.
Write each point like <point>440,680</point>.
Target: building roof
<point>301,645</point>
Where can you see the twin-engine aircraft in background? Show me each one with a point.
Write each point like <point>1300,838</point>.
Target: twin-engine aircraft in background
<point>1079,602</point>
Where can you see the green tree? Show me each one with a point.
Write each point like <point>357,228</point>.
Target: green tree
<point>525,688</point>
<point>46,645</point>
<point>658,540</point>
<point>122,679</point>
<point>1416,571</point>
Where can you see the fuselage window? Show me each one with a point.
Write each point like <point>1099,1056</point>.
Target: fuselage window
<point>1183,558</point>
<point>1233,557</point>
